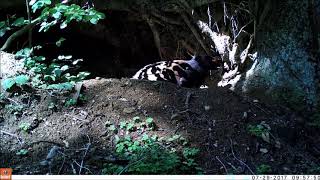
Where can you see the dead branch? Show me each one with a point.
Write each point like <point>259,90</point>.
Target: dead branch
<point>195,33</point>
<point>74,171</point>
<point>13,135</point>
<point>62,165</point>
<point>241,30</point>
<point>82,167</point>
<point>244,60</point>
<point>222,164</point>
<point>165,19</point>
<point>85,154</point>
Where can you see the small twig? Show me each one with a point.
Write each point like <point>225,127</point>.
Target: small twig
<point>29,19</point>
<point>15,102</point>
<point>235,38</point>
<point>165,19</point>
<point>231,145</point>
<point>85,154</point>
<point>73,169</point>
<point>13,135</point>
<point>187,102</point>
<point>62,165</point>
<point>222,164</point>
<point>82,167</point>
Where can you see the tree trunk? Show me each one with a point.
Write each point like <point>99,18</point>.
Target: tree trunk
<point>287,66</point>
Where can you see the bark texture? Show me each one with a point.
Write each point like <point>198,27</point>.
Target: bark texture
<point>285,68</point>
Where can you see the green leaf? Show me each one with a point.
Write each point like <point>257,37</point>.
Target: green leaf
<point>63,25</point>
<point>149,120</point>
<point>22,79</point>
<point>2,24</point>
<point>8,83</point>
<point>75,62</point>
<point>38,4</point>
<point>100,15</point>
<point>23,53</point>
<point>64,68</point>
<point>190,152</point>
<point>83,75</point>
<point>2,32</point>
<point>22,152</point>
<point>57,15</point>
<point>123,124</point>
<point>19,22</point>
<point>94,20</point>
<point>61,86</point>
<point>39,58</point>
<point>49,78</point>
<point>136,119</point>
<point>57,72</point>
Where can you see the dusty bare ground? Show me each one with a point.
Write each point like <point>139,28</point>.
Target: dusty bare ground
<point>217,123</point>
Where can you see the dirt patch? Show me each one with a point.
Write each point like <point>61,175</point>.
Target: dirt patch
<point>215,120</point>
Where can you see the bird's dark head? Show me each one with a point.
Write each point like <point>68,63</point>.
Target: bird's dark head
<point>208,62</point>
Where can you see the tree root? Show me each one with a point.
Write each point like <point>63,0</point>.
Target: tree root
<point>18,33</point>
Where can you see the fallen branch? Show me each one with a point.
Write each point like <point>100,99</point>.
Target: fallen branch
<point>13,135</point>
<point>225,168</point>
<point>85,154</point>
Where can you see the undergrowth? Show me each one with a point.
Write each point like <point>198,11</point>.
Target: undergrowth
<point>147,153</point>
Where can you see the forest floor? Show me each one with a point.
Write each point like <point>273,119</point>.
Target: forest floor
<point>234,134</point>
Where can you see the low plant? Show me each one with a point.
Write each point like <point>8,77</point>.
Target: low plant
<point>24,127</point>
<point>264,169</point>
<point>22,152</point>
<point>18,81</point>
<point>257,130</point>
<point>146,153</point>
<point>42,72</point>
<point>14,109</point>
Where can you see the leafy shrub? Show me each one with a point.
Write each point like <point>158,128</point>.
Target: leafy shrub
<point>257,130</point>
<point>149,154</point>
<point>50,74</point>
<point>9,83</point>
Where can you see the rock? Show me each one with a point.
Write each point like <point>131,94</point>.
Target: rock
<point>245,115</point>
<point>207,108</point>
<point>129,110</point>
<point>264,150</point>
